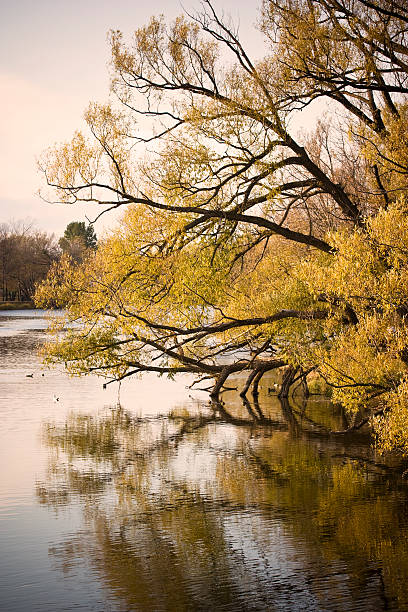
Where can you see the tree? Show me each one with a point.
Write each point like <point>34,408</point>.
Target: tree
<point>77,239</point>
<point>232,253</point>
<point>26,255</point>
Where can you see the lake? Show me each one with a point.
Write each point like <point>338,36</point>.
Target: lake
<point>148,498</point>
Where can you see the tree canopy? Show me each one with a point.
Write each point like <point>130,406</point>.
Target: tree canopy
<point>246,244</point>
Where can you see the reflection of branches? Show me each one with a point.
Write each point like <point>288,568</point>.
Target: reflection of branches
<point>256,419</point>
<point>190,425</point>
<point>159,519</point>
<point>289,417</point>
<point>265,469</point>
<point>361,423</point>
<point>113,440</point>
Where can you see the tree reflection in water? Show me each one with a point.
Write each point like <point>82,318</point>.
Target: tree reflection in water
<point>227,507</point>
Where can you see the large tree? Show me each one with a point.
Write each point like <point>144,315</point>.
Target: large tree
<point>247,245</point>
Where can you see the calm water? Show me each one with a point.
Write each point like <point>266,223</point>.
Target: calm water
<point>154,501</point>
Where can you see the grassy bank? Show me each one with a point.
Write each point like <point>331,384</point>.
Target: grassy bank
<point>16,305</point>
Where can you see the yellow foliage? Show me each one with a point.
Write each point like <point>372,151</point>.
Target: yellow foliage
<point>227,248</point>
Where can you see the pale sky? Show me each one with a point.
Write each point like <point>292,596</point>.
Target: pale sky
<point>54,60</point>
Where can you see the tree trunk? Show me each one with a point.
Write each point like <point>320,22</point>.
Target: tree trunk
<point>287,381</point>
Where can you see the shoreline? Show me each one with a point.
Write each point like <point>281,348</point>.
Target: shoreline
<point>17,306</point>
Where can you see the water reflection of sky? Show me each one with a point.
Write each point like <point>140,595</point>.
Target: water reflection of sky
<point>16,322</point>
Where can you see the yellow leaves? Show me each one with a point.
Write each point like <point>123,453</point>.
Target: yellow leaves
<point>392,427</point>
<point>82,167</point>
<point>364,361</point>
<point>388,150</point>
<point>309,44</point>
<point>57,290</point>
<point>108,125</point>
<point>134,278</point>
<point>361,360</point>
<point>182,36</point>
<point>122,59</point>
<point>370,266</point>
<point>150,38</point>
<point>148,44</point>
<point>190,52</point>
<point>159,51</point>
<point>72,162</point>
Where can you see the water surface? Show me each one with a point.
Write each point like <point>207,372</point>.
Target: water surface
<point>154,500</point>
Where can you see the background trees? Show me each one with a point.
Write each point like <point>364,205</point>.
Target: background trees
<point>77,238</point>
<point>244,237</point>
<point>26,255</point>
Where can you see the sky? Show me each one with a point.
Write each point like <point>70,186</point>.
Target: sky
<point>54,59</point>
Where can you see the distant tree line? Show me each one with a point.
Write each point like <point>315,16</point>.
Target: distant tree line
<point>26,255</point>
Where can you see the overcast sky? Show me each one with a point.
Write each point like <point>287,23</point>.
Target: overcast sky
<point>53,60</point>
